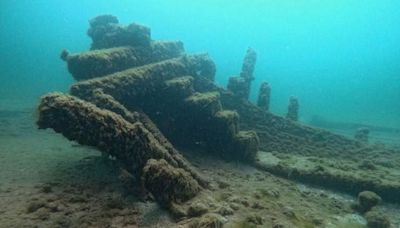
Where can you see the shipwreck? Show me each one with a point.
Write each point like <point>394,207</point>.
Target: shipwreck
<point>137,100</point>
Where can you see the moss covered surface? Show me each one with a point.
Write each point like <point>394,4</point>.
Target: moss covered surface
<point>130,143</point>
<point>97,63</point>
<point>167,183</point>
<point>204,103</point>
<point>228,121</point>
<point>186,117</point>
<point>246,145</point>
<point>340,174</point>
<point>137,81</point>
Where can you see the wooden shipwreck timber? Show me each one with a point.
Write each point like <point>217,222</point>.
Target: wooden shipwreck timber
<point>137,99</point>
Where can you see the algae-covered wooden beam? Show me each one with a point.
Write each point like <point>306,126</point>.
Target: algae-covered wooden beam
<point>162,50</point>
<point>138,81</point>
<point>131,143</point>
<point>241,85</point>
<point>205,122</point>
<point>248,66</point>
<point>204,66</point>
<point>165,88</point>
<point>264,96</point>
<point>105,101</point>
<point>97,63</point>
<point>293,109</point>
<point>168,183</point>
<point>351,182</point>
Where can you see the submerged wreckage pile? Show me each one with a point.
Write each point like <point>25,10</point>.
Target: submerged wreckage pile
<point>136,98</point>
<point>131,91</point>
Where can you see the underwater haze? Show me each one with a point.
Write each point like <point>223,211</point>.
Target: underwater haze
<point>340,58</point>
<point>177,148</point>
